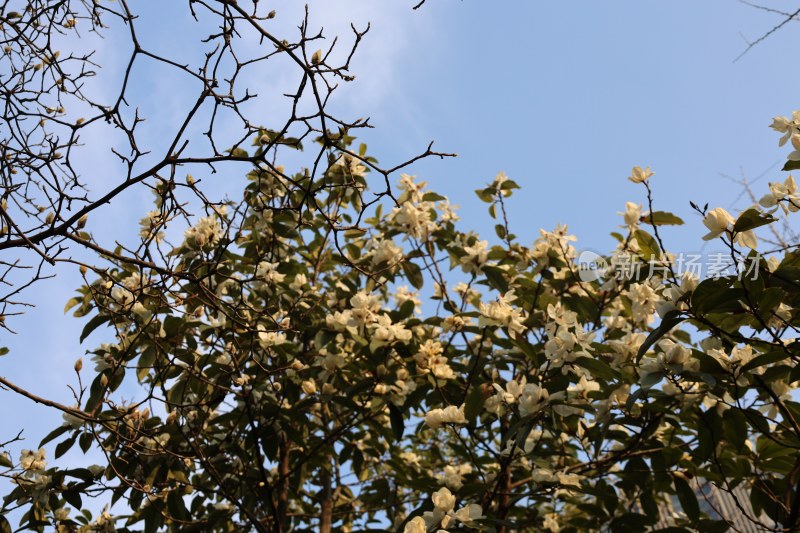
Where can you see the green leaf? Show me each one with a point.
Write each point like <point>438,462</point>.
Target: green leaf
<point>486,195</point>
<point>72,302</point>
<point>413,274</point>
<point>663,218</point>
<point>85,441</point>
<point>496,278</point>
<point>791,165</point>
<point>757,420</point>
<point>60,430</point>
<point>670,320</point>
<point>63,447</point>
<point>3,351</point>
<point>597,367</point>
<point>651,379</point>
<point>717,296</point>
<point>648,244</point>
<point>5,527</point>
<point>73,497</point>
<point>406,310</point>
<point>92,325</point>
<point>473,404</point>
<point>734,425</point>
<point>766,359</point>
<point>770,298</point>
<point>396,419</point>
<point>687,498</point>
<point>176,506</point>
<point>751,219</point>
<point>432,197</point>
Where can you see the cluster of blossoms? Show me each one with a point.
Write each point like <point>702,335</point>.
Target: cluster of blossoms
<point>451,414</point>
<point>205,234</point>
<point>417,216</point>
<point>444,514</point>
<point>790,127</point>
<point>783,194</point>
<point>367,379</point>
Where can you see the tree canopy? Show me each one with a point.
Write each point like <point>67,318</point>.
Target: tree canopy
<point>330,348</point>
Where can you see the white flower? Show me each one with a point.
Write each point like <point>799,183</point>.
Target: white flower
<point>717,221</point>
<point>122,296</point>
<point>543,475</point>
<point>342,321</point>
<point>795,155</point>
<point>502,313</point>
<point>449,415</point>
<point>499,180</point>
<point>786,126</point>
<point>348,164</point>
<point>385,332</point>
<point>271,338</point>
<point>632,214</point>
<point>299,282</point>
<point>454,475</point>
<point>746,238</point>
<point>415,219</point>
<point>268,272</point>
<point>404,294</point>
<point>416,525</point>
<point>532,399</point>
<point>71,420</point>
<point>689,282</point>
<point>430,360</point>
<point>468,514</point>
<point>512,391</point>
<point>386,251</point>
<point>444,500</point>
<point>149,224</point>
<point>309,387</point>
<point>410,458</point>
<point>33,460</point>
<point>206,232</point>
<point>643,302</point>
<point>570,479</point>
<point>476,256</point>
<point>551,522</point>
<point>583,387</point>
<point>639,175</point>
<point>675,353</point>
<point>784,194</point>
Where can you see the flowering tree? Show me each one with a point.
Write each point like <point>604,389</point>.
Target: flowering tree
<point>405,374</point>
<point>64,108</point>
<point>321,351</point>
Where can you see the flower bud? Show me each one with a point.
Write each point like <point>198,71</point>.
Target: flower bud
<point>78,365</point>
<point>309,387</point>
<point>639,175</point>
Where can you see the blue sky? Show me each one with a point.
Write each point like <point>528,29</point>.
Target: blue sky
<point>565,97</point>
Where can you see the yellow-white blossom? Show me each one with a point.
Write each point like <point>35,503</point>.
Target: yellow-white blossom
<point>33,459</point>
<point>639,175</point>
<point>451,414</point>
<point>717,221</point>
